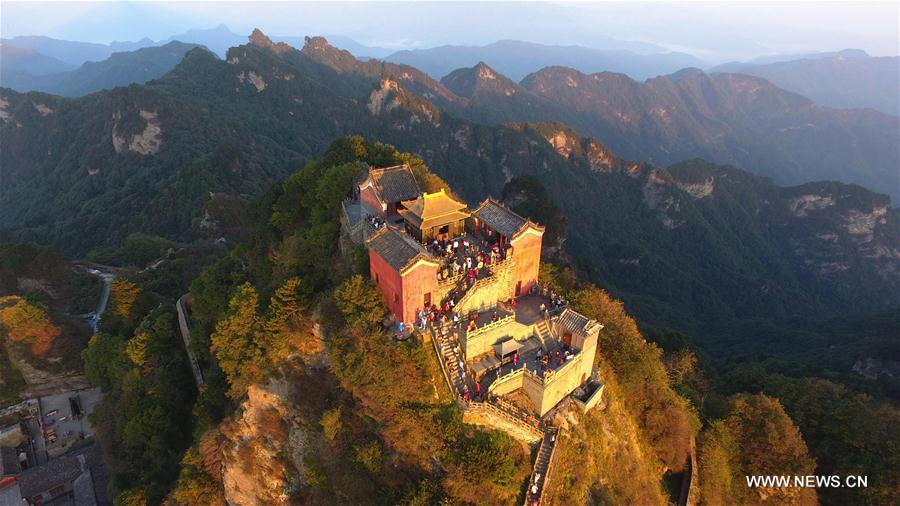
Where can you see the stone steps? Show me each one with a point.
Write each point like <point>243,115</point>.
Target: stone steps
<point>541,467</point>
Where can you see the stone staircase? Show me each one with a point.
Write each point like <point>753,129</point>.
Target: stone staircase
<point>543,466</point>
<point>543,330</point>
<point>450,358</point>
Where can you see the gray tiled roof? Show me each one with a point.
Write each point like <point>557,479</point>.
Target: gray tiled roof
<point>395,247</point>
<point>395,184</point>
<point>499,218</point>
<point>55,472</point>
<point>576,322</point>
<point>9,462</point>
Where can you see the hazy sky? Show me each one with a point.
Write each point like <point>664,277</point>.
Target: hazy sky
<point>709,30</point>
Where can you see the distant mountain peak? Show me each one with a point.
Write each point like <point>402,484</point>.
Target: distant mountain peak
<point>260,39</point>
<point>852,53</point>
<point>467,82</point>
<point>320,49</point>
<point>317,43</point>
<point>686,73</point>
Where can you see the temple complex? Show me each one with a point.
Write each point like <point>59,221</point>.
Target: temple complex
<point>511,351</point>
<point>468,280</point>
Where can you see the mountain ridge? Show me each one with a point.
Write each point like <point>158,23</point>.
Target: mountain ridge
<point>846,79</point>
<point>120,69</point>
<point>517,59</point>
<point>265,113</point>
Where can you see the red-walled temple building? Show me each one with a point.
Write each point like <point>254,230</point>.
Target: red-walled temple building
<point>520,237</point>
<point>420,251</point>
<point>404,272</point>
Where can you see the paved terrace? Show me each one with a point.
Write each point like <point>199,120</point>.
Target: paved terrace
<point>527,312</point>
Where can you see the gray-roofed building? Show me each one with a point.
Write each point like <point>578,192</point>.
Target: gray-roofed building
<point>66,476</point>
<point>397,248</point>
<point>499,218</point>
<point>9,462</point>
<point>387,188</point>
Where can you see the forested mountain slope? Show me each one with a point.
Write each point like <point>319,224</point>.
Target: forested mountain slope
<point>729,118</point>
<point>848,78</point>
<point>120,69</point>
<point>85,173</point>
<point>734,119</point>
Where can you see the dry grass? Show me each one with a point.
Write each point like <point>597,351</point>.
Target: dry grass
<point>601,460</point>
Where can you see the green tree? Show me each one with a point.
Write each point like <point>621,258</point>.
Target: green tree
<point>236,339</point>
<point>369,456</point>
<point>195,486</point>
<point>123,295</point>
<point>360,301</point>
<point>105,361</point>
<point>756,438</point>
<point>331,423</point>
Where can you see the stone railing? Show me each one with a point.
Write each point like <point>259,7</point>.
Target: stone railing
<point>453,279</point>
<point>490,326</point>
<point>545,379</point>
<point>551,439</point>
<point>531,427</point>
<point>506,378</point>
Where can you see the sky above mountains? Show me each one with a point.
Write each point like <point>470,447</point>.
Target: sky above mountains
<point>713,31</point>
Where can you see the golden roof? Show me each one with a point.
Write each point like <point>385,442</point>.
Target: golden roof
<point>434,210</point>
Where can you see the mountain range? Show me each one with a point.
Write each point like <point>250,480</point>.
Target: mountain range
<point>517,59</point>
<point>844,79</point>
<point>727,118</point>
<point>84,173</point>
<point>217,39</point>
<point>120,69</point>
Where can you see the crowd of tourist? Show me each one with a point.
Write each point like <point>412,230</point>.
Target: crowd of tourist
<point>376,221</point>
<point>556,302</point>
<point>463,255</point>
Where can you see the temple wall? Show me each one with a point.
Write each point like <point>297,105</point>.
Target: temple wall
<point>487,292</point>
<point>444,287</point>
<point>368,196</point>
<point>416,283</point>
<point>592,401</point>
<point>534,389</point>
<point>565,379</point>
<point>389,284</point>
<point>508,383</point>
<point>527,254</point>
<point>481,341</point>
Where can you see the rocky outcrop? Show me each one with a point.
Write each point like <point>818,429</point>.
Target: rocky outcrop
<point>698,190</point>
<point>42,109</point>
<point>802,205</point>
<point>259,448</point>
<point>657,192</point>
<point>147,142</point>
<point>384,98</point>
<point>253,78</point>
<point>390,96</point>
<point>258,38</point>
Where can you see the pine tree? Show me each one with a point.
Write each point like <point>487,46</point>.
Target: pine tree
<point>236,341</point>
<point>124,293</point>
